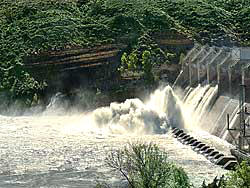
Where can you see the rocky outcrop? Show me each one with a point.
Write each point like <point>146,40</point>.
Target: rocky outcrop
<point>75,59</point>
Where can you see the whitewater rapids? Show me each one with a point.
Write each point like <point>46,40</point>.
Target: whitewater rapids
<point>68,150</point>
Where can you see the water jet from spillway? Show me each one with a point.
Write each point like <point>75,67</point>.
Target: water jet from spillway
<point>196,105</point>
<point>162,110</point>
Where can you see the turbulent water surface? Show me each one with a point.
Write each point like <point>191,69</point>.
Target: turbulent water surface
<point>68,150</point>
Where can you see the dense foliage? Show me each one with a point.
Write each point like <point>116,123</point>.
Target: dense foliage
<point>240,178</point>
<point>143,57</point>
<point>30,27</point>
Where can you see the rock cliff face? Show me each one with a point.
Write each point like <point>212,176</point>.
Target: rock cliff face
<point>75,59</point>
<point>96,66</point>
<point>75,67</point>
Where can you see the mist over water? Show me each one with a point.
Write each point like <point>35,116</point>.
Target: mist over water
<point>68,149</point>
<point>134,116</point>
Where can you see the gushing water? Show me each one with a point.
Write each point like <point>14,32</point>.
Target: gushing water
<point>135,117</point>
<point>51,150</point>
<point>197,103</point>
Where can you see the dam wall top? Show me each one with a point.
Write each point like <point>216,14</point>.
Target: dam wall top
<point>241,53</point>
<point>211,55</point>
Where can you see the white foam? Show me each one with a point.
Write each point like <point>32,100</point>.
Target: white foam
<point>136,117</point>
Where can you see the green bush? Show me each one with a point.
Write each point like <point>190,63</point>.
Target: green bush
<point>146,166</point>
<point>143,58</point>
<point>240,178</point>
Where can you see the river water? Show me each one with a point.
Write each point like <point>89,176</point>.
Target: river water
<point>69,149</point>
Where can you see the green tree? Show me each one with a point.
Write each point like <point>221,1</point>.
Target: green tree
<point>147,65</point>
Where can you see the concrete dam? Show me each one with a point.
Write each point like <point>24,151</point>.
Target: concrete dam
<point>214,80</point>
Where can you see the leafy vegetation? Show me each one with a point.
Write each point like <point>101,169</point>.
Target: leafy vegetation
<point>31,27</point>
<point>145,165</point>
<point>143,57</point>
<point>240,178</point>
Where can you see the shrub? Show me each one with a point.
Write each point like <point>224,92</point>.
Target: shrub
<point>146,166</point>
<point>239,178</point>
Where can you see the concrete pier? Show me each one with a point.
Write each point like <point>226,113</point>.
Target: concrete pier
<point>223,66</point>
<point>227,162</point>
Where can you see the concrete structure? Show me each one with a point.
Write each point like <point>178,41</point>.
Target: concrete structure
<point>227,67</point>
<point>228,162</point>
<point>230,165</point>
<point>196,143</point>
<point>191,141</point>
<point>207,151</point>
<point>186,140</point>
<point>224,159</point>
<point>211,154</point>
<point>203,149</point>
<point>183,137</point>
<point>215,157</point>
<point>197,147</point>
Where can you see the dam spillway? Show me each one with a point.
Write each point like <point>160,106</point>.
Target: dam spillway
<point>212,79</point>
<point>224,66</point>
